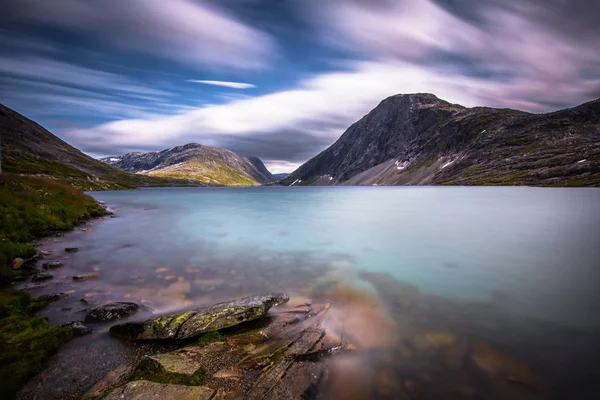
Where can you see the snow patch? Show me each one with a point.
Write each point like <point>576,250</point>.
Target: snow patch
<point>580,161</point>
<point>483,131</point>
<point>401,165</point>
<point>296,181</point>
<point>115,159</point>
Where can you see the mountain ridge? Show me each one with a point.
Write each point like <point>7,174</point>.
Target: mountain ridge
<point>30,149</point>
<point>193,161</point>
<point>419,139</point>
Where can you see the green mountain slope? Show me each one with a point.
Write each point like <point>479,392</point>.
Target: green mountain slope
<point>28,148</point>
<point>195,162</point>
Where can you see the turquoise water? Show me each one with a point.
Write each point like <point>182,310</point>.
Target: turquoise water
<point>539,247</point>
<point>518,268</point>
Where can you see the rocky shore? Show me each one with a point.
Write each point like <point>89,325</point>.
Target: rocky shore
<point>239,351</point>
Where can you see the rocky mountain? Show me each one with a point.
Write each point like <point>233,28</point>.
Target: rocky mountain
<point>28,148</point>
<point>419,139</point>
<point>196,162</point>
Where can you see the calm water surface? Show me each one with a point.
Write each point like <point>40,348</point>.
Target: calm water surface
<point>515,268</point>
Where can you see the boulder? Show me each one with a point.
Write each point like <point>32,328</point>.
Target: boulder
<point>112,311</point>
<point>18,263</point>
<point>52,265</point>
<point>195,322</point>
<point>42,276</point>
<point>78,328</point>
<point>144,390</point>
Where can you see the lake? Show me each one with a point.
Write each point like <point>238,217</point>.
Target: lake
<point>439,271</point>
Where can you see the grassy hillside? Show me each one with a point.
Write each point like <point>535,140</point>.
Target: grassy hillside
<point>209,172</point>
<point>30,207</point>
<point>28,148</point>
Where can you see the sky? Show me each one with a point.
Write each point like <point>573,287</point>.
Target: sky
<point>280,79</point>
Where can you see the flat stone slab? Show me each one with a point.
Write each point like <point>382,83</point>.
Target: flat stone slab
<point>195,322</point>
<point>144,390</point>
<point>180,362</point>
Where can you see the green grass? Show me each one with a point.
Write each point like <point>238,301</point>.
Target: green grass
<point>208,172</point>
<point>25,341</point>
<point>30,208</point>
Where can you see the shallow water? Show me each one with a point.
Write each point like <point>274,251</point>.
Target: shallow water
<point>516,268</point>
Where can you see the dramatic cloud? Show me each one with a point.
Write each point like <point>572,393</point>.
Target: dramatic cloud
<point>333,62</point>
<point>233,85</point>
<point>510,42</point>
<point>190,32</point>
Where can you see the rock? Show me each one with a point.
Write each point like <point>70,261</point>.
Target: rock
<point>52,265</point>
<point>71,249</point>
<point>52,297</point>
<point>194,322</point>
<point>228,374</point>
<point>112,311</point>
<point>85,277</point>
<point>182,362</point>
<point>144,390</point>
<point>32,286</point>
<point>18,263</point>
<point>117,377</point>
<point>78,328</point>
<point>42,276</point>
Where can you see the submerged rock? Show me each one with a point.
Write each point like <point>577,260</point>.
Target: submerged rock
<point>112,311</point>
<point>71,249</point>
<point>52,297</point>
<point>144,390</point>
<point>85,277</point>
<point>496,364</point>
<point>42,276</point>
<point>52,265</point>
<point>194,322</point>
<point>78,328</point>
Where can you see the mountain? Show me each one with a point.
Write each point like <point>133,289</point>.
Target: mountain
<point>28,148</point>
<point>196,162</point>
<point>418,139</point>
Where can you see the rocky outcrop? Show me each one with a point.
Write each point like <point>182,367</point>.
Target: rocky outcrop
<point>195,322</point>
<point>280,356</point>
<point>418,139</point>
<point>209,165</point>
<point>111,312</point>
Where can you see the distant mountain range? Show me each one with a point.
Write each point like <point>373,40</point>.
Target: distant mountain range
<point>412,139</point>
<point>418,139</point>
<point>198,163</point>
<point>28,148</point>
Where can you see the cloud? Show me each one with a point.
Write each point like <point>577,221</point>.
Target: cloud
<point>233,85</point>
<point>510,42</point>
<point>190,32</point>
<point>49,70</point>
